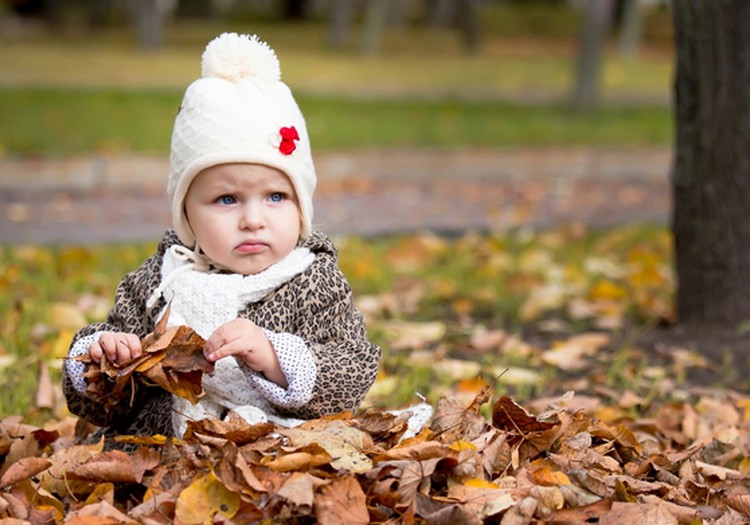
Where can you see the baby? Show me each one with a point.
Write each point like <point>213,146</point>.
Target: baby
<point>242,267</point>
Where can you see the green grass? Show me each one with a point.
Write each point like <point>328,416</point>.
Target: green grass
<point>63,121</point>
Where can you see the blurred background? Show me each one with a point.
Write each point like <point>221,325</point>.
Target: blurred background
<point>392,90</point>
<point>508,55</point>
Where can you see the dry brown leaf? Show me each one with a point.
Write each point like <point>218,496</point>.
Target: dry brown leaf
<point>172,359</point>
<point>342,502</point>
<point>455,421</point>
<point>591,513</point>
<point>181,371</point>
<point>413,478</point>
<point>482,501</point>
<point>510,416</point>
<point>413,450</point>
<point>116,466</point>
<point>45,393</point>
<point>302,458</point>
<point>99,513</point>
<point>54,479</point>
<point>22,469</point>
<point>342,441</point>
<point>300,489</point>
<point>740,502</point>
<point>637,514</point>
<point>235,473</point>
<point>235,429</point>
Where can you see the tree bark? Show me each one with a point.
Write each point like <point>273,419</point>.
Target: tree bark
<point>711,171</point>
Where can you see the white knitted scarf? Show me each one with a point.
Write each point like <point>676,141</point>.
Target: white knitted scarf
<point>204,299</point>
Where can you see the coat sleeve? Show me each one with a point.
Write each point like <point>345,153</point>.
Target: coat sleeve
<point>347,362</point>
<point>128,314</point>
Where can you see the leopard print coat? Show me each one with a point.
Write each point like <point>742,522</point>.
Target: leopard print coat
<point>316,305</point>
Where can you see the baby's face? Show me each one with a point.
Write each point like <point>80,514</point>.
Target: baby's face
<point>245,217</point>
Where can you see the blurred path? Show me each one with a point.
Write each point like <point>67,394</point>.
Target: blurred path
<point>122,199</point>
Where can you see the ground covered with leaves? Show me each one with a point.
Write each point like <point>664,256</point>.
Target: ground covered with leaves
<point>683,464</point>
<point>560,395</point>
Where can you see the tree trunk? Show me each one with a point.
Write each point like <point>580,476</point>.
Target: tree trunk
<point>630,27</point>
<point>468,19</point>
<point>597,20</point>
<point>340,24</point>
<point>295,10</point>
<point>376,20</point>
<point>711,172</point>
<point>440,13</point>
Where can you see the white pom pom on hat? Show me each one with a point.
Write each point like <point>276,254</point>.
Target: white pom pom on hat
<point>233,57</point>
<point>239,111</point>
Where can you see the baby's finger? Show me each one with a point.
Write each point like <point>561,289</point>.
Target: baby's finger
<point>108,344</point>
<point>123,349</point>
<point>96,352</point>
<point>134,343</point>
<point>115,347</point>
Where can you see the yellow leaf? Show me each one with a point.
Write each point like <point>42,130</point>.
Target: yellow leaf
<point>458,369</point>
<point>102,492</point>
<point>472,385</point>
<point>458,446</point>
<point>204,498</point>
<point>479,483</point>
<point>607,290</point>
<point>156,439</point>
<point>548,477</point>
<point>62,342</point>
<point>744,466</point>
<point>569,355</point>
<point>744,404</point>
<point>404,334</point>
<point>66,315</point>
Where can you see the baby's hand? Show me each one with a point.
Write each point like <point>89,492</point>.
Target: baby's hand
<point>117,347</point>
<point>245,340</point>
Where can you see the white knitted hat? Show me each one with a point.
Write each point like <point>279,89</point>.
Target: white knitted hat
<point>239,111</point>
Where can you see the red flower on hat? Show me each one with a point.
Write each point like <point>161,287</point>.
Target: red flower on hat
<point>288,136</point>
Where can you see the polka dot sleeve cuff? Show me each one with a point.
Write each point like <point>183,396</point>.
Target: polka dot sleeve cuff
<point>76,369</point>
<point>298,366</point>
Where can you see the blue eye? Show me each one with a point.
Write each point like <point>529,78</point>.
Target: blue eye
<point>276,197</point>
<point>226,199</point>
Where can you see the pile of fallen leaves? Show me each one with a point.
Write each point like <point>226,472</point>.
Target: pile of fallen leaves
<point>687,463</point>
